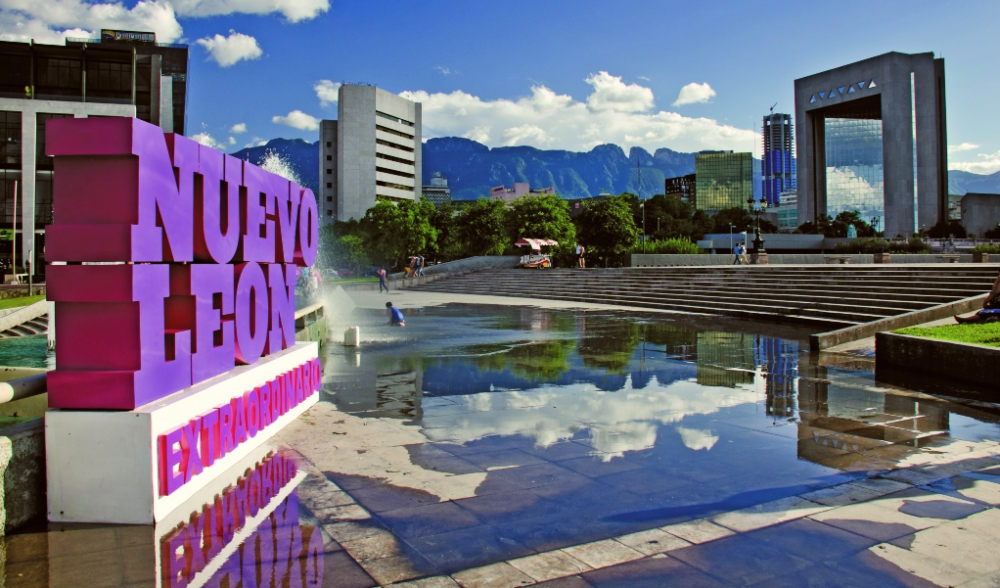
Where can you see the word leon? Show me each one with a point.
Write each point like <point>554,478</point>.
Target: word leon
<point>278,548</point>
<point>192,447</point>
<point>203,249</point>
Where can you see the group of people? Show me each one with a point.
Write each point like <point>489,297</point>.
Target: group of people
<point>740,254</point>
<point>416,266</point>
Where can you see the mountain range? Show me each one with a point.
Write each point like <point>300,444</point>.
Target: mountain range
<point>473,168</point>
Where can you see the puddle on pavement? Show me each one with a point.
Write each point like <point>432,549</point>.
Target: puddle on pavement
<point>477,434</point>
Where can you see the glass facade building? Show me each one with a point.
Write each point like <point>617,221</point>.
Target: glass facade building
<point>723,180</point>
<point>777,166</point>
<point>854,170</point>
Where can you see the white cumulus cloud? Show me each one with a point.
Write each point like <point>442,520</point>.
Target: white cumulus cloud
<point>297,120</point>
<point>208,141</point>
<point>962,147</point>
<point>614,112</point>
<point>327,92</point>
<point>293,10</point>
<point>610,93</point>
<point>988,163</point>
<point>238,128</point>
<point>228,51</point>
<point>694,94</point>
<point>50,21</point>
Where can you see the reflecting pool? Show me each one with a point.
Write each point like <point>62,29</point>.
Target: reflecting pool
<point>483,434</point>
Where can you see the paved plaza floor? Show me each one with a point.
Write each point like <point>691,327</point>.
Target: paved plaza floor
<point>515,444</point>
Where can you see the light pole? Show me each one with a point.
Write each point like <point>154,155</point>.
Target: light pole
<point>731,225</point>
<point>758,243</point>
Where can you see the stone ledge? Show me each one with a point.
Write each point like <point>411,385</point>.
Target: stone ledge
<point>965,362</point>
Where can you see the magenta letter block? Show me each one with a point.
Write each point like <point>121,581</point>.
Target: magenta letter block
<point>211,358</point>
<point>288,217</point>
<point>258,231</point>
<point>308,243</point>
<point>113,352</point>
<point>281,280</point>
<point>217,206</point>
<point>251,312</point>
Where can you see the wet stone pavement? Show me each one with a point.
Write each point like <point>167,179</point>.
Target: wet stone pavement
<point>494,446</point>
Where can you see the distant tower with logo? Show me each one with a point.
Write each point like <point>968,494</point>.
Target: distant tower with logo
<point>777,166</point>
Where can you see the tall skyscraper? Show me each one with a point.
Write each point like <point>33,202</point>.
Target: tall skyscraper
<point>372,150</point>
<point>723,179</point>
<point>777,166</point>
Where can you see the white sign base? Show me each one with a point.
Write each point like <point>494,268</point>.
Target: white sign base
<point>102,466</point>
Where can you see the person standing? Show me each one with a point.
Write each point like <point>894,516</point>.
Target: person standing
<point>581,251</point>
<point>381,280</point>
<point>420,265</point>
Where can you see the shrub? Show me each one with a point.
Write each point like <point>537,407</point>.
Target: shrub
<point>676,246</point>
<point>864,245</point>
<point>914,245</point>
<point>986,248</point>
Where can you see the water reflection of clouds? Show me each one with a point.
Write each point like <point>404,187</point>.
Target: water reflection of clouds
<point>613,422</point>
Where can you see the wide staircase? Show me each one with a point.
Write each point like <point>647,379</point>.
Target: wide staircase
<point>829,297</point>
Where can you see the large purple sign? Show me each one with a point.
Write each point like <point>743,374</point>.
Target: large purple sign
<point>204,249</point>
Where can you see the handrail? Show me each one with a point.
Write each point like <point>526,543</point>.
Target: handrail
<point>12,390</point>
<point>309,309</point>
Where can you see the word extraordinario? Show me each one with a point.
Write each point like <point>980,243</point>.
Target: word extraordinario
<point>277,548</point>
<point>187,450</point>
<point>180,261</point>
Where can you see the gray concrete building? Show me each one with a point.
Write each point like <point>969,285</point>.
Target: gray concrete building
<point>872,137</point>
<point>372,150</point>
<point>117,74</point>
<point>980,213</point>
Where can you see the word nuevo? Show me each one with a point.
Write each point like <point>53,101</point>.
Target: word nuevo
<point>278,548</point>
<point>194,446</point>
<point>181,261</point>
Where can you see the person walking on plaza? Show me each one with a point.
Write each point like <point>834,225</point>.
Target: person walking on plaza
<point>581,251</point>
<point>736,254</point>
<point>381,280</point>
<point>743,254</point>
<point>420,265</point>
<point>395,316</point>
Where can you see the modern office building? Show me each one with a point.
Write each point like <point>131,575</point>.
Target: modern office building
<point>777,166</point>
<point>372,150</point>
<point>788,212</point>
<point>437,192</point>
<point>843,162</point>
<point>122,73</point>
<point>981,213</point>
<point>723,179</point>
<point>520,189</point>
<point>682,188</point>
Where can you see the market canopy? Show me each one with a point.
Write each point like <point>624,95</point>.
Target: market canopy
<point>535,244</point>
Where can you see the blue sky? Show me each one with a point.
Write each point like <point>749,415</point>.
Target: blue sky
<point>550,73</point>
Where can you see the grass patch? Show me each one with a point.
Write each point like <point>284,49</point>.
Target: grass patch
<point>987,334</point>
<point>21,301</point>
<point>352,280</point>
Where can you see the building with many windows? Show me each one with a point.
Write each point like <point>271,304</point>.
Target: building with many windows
<point>372,150</point>
<point>723,179</point>
<point>788,212</point>
<point>122,73</point>
<point>682,188</point>
<point>844,164</point>
<point>777,166</point>
<point>437,192</point>
<point>520,189</point>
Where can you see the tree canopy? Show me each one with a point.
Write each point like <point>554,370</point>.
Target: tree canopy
<point>607,225</point>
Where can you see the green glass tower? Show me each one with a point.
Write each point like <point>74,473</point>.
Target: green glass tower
<point>723,180</point>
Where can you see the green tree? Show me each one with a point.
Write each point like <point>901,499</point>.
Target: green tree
<point>448,245</point>
<point>607,226</point>
<point>396,230</point>
<point>737,216</point>
<point>481,228</point>
<point>544,216</point>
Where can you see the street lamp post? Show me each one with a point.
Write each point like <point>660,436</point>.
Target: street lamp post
<point>758,243</point>
<point>731,225</point>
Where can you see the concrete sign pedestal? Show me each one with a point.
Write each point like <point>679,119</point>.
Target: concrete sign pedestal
<point>105,466</point>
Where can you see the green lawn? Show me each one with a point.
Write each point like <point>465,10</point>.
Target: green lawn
<point>22,301</point>
<point>988,334</point>
<point>352,280</point>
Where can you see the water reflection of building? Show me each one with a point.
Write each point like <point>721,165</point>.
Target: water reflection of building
<point>725,359</point>
<point>843,426</point>
<point>780,360</point>
<point>374,386</point>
